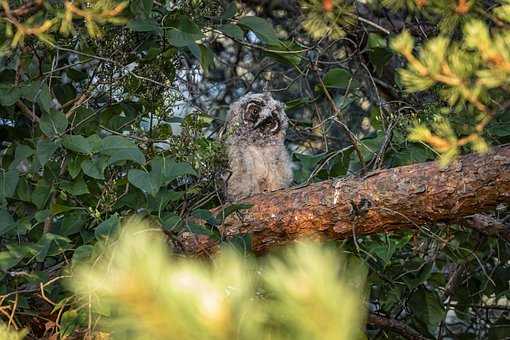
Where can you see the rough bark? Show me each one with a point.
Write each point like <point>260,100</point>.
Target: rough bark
<point>387,200</point>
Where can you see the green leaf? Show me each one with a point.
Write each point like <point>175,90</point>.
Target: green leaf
<point>120,149</point>
<point>41,193</point>
<point>143,25</point>
<point>57,208</point>
<point>141,7</point>
<point>375,40</point>
<point>339,78</point>
<point>428,309</point>
<point>72,224</point>
<point>53,123</point>
<point>167,169</point>
<point>144,181</point>
<point>230,11</point>
<point>41,215</point>
<point>205,215</point>
<point>21,154</point>
<point>9,259</point>
<point>183,32</point>
<point>82,254</point>
<point>262,28</point>
<point>232,31</point>
<point>75,188</point>
<point>94,167</point>
<point>204,54</point>
<point>24,190</point>
<point>206,58</point>
<point>77,143</point>
<point>70,321</point>
<point>171,221</point>
<point>107,228</point>
<point>7,223</point>
<point>44,98</point>
<point>9,94</point>
<point>51,244</point>
<point>74,167</point>
<point>181,39</point>
<point>45,149</point>
<point>8,182</point>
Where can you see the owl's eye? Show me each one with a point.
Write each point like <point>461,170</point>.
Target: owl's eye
<point>252,112</point>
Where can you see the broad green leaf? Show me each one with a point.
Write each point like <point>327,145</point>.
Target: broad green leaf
<point>107,228</point>
<point>144,181</point>
<point>24,190</point>
<point>171,221</point>
<point>168,169</point>
<point>82,254</point>
<point>22,153</point>
<point>339,78</point>
<point>262,28</point>
<point>94,167</point>
<point>9,259</point>
<point>120,149</point>
<point>230,11</point>
<point>77,143</point>
<point>45,149</point>
<point>76,188</point>
<point>51,244</point>
<point>8,182</point>
<point>428,309</point>
<point>72,223</point>
<point>6,222</point>
<point>9,94</point>
<point>179,38</point>
<point>41,193</point>
<point>53,123</point>
<point>205,215</point>
<point>183,32</point>
<point>43,97</point>
<point>41,215</point>
<point>74,166</point>
<point>141,7</point>
<point>232,31</point>
<point>161,200</point>
<point>70,321</point>
<point>375,40</point>
<point>143,25</point>
<point>96,143</point>
<point>204,54</point>
<point>57,208</point>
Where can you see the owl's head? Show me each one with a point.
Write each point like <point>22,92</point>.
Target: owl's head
<point>257,118</point>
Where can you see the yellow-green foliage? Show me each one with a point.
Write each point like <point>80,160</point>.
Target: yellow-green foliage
<point>8,334</point>
<point>321,23</point>
<point>466,72</point>
<point>308,292</point>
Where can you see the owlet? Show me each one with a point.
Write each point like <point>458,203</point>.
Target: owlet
<point>255,134</point>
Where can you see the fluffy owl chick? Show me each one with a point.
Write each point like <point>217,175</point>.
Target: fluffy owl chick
<point>255,132</point>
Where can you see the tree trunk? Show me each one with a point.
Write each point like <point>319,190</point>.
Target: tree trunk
<point>386,200</point>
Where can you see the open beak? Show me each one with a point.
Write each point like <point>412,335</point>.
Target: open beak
<point>261,120</point>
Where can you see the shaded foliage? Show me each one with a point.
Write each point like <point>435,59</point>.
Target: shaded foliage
<point>110,108</point>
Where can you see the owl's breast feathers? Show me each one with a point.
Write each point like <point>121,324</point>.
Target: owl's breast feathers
<point>258,168</point>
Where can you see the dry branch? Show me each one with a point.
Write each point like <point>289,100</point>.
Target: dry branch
<point>386,200</point>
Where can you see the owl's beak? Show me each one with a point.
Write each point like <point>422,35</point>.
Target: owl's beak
<point>261,120</point>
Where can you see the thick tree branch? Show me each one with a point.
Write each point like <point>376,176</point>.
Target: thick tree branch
<point>395,326</point>
<point>393,199</point>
